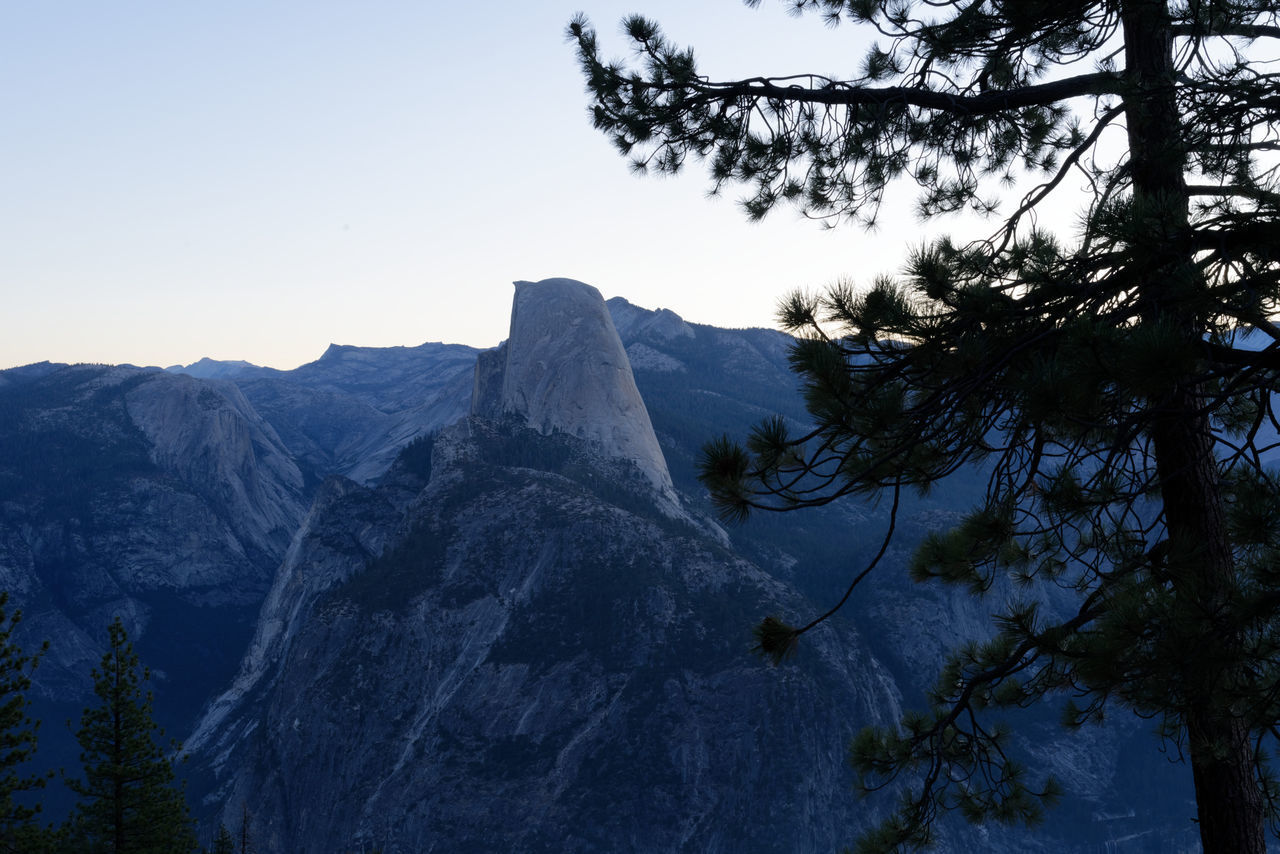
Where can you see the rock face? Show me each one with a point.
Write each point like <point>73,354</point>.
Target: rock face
<point>119,484</point>
<point>162,499</point>
<point>538,660</point>
<point>209,436</point>
<point>346,525</point>
<point>698,381</point>
<point>518,646</point>
<point>353,409</point>
<point>169,498</point>
<point>563,368</point>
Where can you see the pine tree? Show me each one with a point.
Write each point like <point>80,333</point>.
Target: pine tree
<point>1113,390</point>
<point>19,833</point>
<point>129,802</point>
<point>246,838</point>
<point>224,843</point>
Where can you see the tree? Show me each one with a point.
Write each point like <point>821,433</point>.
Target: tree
<point>1114,389</point>
<point>18,830</point>
<point>224,843</point>
<point>129,801</point>
<point>246,838</point>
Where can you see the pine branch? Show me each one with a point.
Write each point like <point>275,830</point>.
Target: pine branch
<point>1241,191</point>
<point>1246,31</point>
<point>841,94</point>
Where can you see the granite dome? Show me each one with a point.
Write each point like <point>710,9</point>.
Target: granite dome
<point>563,368</point>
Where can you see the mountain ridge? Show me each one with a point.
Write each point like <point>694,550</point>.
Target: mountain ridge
<point>489,488</point>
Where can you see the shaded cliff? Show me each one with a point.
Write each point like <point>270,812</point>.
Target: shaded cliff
<point>541,659</point>
<point>161,499</point>
<point>353,409</point>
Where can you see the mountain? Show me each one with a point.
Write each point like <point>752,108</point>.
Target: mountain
<point>529,645</point>
<point>211,369</point>
<point>564,370</point>
<point>1125,792</point>
<point>352,410</point>
<point>524,638</point>
<point>169,497</point>
<point>507,622</point>
<point>159,498</point>
<point>537,660</point>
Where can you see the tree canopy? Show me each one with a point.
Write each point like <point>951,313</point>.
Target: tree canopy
<point>1113,386</point>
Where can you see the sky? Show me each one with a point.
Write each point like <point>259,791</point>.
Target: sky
<point>257,180</point>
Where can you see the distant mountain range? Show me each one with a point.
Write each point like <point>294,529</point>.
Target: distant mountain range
<point>441,599</point>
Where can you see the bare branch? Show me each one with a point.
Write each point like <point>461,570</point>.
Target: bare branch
<point>838,93</point>
<point>1246,31</point>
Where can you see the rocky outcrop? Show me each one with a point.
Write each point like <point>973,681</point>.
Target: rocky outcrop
<point>636,323</point>
<point>347,525</point>
<point>563,368</point>
<point>209,436</point>
<point>533,653</point>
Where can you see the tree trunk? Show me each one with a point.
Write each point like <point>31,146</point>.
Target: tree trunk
<point>1229,803</point>
<point>1201,565</point>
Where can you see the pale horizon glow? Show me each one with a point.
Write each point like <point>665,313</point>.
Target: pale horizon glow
<point>258,181</point>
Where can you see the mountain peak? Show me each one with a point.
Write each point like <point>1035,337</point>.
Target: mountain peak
<point>209,369</point>
<point>633,322</point>
<point>563,368</point>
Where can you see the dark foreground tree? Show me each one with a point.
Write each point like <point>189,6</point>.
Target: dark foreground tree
<point>19,833</point>
<point>1114,390</point>
<point>129,802</point>
<point>245,836</point>
<point>224,842</point>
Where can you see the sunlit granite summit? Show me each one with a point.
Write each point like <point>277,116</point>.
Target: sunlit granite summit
<point>563,368</point>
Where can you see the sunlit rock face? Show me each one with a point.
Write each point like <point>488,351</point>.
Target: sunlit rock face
<point>563,368</point>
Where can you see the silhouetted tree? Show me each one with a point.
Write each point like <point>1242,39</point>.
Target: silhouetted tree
<point>246,837</point>
<point>19,832</point>
<point>129,801</point>
<point>224,843</point>
<point>1115,391</point>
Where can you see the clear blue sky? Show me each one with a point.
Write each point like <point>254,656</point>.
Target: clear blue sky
<point>256,180</point>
